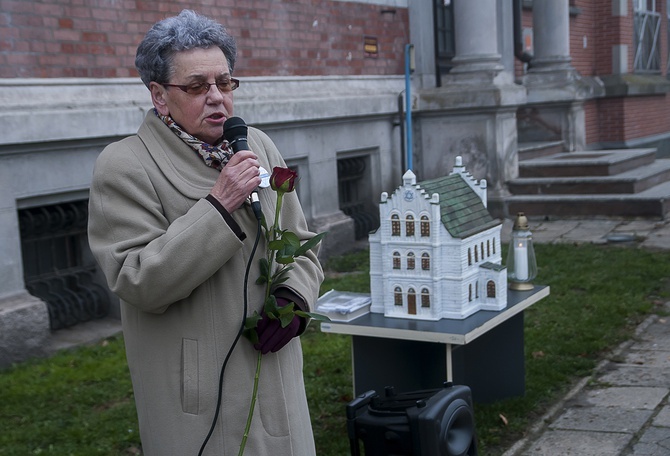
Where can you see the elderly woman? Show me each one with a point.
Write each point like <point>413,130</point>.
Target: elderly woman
<point>172,230</point>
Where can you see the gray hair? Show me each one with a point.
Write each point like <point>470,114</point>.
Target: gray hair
<point>188,30</point>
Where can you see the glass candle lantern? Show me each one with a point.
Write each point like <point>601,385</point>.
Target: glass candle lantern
<point>521,263</point>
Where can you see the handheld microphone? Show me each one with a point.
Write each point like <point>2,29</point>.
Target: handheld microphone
<point>235,132</point>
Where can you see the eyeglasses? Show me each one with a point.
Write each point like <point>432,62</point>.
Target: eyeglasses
<point>200,88</point>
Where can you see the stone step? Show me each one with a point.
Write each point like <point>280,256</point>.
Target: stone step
<point>651,203</point>
<point>633,181</point>
<point>587,163</point>
<point>539,149</point>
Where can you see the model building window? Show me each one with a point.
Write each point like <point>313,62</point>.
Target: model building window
<point>425,262</point>
<point>425,226</point>
<point>396,260</point>
<point>470,292</point>
<point>494,246</point>
<point>425,297</point>
<point>476,255</point>
<point>410,260</point>
<point>397,296</point>
<point>469,257</point>
<point>395,225</point>
<point>490,289</point>
<point>488,248</point>
<point>409,225</point>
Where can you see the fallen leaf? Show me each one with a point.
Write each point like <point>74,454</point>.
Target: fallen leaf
<point>503,418</point>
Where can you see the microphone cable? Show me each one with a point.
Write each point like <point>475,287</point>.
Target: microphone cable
<point>256,206</point>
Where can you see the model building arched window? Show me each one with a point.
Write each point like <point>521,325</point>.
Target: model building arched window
<point>425,297</point>
<point>411,260</point>
<point>494,246</point>
<point>469,257</point>
<point>395,225</point>
<point>425,226</point>
<point>425,261</point>
<point>397,296</point>
<point>396,260</point>
<point>470,292</point>
<point>476,254</point>
<point>490,289</point>
<point>488,248</point>
<point>409,225</point>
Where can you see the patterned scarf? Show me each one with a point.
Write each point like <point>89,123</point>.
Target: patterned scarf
<point>214,156</point>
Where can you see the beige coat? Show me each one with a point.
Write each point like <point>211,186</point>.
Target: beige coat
<point>178,269</point>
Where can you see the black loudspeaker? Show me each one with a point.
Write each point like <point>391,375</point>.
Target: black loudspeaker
<point>437,422</point>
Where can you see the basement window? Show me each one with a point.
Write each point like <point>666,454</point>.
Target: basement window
<point>57,265</point>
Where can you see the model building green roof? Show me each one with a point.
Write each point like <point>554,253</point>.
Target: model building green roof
<point>462,211</point>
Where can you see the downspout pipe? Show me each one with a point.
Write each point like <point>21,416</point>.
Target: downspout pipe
<point>408,104</point>
<point>519,51</point>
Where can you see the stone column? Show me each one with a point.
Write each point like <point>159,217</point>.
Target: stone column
<point>551,39</point>
<point>477,58</point>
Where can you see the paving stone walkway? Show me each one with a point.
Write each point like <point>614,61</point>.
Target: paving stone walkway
<point>623,409</point>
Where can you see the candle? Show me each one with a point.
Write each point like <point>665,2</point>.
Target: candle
<point>520,261</point>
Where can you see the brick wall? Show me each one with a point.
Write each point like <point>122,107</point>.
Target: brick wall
<point>98,38</point>
<point>622,119</point>
<point>583,40</point>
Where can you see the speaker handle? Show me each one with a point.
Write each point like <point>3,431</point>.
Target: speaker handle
<point>352,409</point>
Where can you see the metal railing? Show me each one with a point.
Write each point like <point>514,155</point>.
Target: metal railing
<point>53,245</point>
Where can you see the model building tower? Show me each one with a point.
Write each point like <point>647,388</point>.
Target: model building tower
<point>437,251</point>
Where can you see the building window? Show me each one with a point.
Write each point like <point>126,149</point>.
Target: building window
<point>395,225</point>
<point>425,298</point>
<point>469,292</point>
<point>425,226</point>
<point>476,254</point>
<point>469,257</point>
<point>354,188</point>
<point>396,260</point>
<point>494,246</point>
<point>647,26</point>
<point>488,248</point>
<point>425,262</point>
<point>490,289</point>
<point>411,260</point>
<point>397,296</point>
<point>409,225</point>
<point>57,263</point>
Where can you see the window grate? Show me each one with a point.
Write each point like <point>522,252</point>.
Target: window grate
<point>54,245</point>
<point>352,178</point>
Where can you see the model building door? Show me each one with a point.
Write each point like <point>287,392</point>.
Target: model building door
<point>411,302</point>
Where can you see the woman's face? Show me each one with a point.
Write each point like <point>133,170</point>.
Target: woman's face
<point>200,115</point>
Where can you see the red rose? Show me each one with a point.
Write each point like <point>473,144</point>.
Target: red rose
<point>283,179</point>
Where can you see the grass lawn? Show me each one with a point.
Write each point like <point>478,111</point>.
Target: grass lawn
<point>80,402</point>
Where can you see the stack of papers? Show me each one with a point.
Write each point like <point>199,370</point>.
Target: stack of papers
<point>343,305</point>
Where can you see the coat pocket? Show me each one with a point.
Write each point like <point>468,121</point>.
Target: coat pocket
<point>189,376</point>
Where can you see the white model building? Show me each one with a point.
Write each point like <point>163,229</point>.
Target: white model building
<point>437,251</point>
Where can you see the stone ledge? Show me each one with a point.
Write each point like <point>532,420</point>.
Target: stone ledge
<point>622,85</point>
<point>94,108</point>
